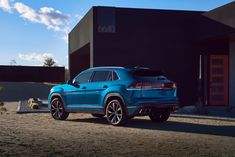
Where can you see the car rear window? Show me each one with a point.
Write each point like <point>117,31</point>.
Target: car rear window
<point>147,73</point>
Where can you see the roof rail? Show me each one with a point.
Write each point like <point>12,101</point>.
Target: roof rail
<point>139,67</point>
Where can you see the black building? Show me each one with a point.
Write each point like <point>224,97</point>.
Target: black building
<point>195,49</point>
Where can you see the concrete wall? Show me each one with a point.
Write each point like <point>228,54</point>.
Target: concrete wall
<point>224,14</point>
<point>232,72</point>
<point>82,33</point>
<point>81,56</point>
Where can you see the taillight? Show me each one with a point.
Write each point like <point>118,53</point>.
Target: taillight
<point>147,85</point>
<point>137,85</point>
<point>169,85</point>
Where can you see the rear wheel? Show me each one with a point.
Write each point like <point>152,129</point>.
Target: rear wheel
<point>98,115</point>
<point>160,117</point>
<point>116,113</point>
<point>57,109</point>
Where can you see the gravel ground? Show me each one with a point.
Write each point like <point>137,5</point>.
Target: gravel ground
<point>83,135</point>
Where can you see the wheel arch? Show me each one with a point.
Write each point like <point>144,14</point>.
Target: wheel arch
<point>111,96</point>
<point>56,95</point>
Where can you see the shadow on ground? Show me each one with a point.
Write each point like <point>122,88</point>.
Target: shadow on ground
<point>16,91</point>
<point>169,126</point>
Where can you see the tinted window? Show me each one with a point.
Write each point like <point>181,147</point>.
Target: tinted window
<point>115,76</point>
<point>147,73</point>
<point>84,77</point>
<point>100,76</point>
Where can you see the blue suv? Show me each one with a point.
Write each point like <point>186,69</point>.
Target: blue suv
<point>115,92</point>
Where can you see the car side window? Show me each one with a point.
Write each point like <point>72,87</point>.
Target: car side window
<point>112,76</point>
<point>84,77</point>
<point>100,76</point>
<point>115,76</point>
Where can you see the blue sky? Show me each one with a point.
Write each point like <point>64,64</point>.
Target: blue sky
<point>32,30</point>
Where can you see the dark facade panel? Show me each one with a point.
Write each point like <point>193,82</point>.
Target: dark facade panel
<point>31,74</point>
<point>79,60</point>
<point>107,24</point>
<point>155,39</point>
<point>204,28</point>
<point>160,39</point>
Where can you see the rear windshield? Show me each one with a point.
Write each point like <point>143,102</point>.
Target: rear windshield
<point>147,73</point>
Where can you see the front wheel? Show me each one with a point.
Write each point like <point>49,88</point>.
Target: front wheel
<point>159,117</point>
<point>116,113</point>
<point>57,109</point>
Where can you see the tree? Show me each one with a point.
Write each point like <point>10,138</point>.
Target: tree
<point>13,62</point>
<point>49,62</point>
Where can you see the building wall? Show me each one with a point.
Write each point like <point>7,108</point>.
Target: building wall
<point>232,72</point>
<point>224,14</point>
<point>79,38</point>
<point>160,39</point>
<point>154,38</point>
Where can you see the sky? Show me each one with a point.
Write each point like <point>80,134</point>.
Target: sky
<point>32,30</point>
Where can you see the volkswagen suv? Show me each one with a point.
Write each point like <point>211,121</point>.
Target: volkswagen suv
<point>115,92</point>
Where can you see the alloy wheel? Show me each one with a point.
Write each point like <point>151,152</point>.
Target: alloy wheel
<point>114,112</point>
<point>57,109</point>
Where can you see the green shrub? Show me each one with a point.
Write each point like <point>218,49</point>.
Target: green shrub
<point>2,109</point>
<point>1,88</point>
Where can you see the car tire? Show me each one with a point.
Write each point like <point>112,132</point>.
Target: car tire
<point>116,113</point>
<point>57,109</point>
<point>97,115</point>
<point>160,117</point>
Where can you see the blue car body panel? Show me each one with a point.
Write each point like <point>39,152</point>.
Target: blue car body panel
<point>91,96</point>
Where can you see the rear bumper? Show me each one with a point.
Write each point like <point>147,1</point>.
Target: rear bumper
<point>143,109</point>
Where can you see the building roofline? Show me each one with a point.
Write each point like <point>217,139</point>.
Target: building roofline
<point>150,9</point>
<point>223,6</point>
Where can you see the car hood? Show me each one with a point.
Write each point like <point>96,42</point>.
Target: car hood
<point>60,87</point>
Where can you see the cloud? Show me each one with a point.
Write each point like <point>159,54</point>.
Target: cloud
<point>65,38</point>
<point>51,18</point>
<point>26,12</point>
<point>35,57</point>
<point>79,17</point>
<point>5,5</point>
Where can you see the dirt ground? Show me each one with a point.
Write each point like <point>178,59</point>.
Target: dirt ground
<point>84,135</point>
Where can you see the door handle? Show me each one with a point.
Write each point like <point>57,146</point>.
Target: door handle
<point>83,87</point>
<point>105,86</point>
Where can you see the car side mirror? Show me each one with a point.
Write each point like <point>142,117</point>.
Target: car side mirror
<point>70,81</point>
<point>74,82</point>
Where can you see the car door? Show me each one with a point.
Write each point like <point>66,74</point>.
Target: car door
<point>76,95</point>
<point>100,82</point>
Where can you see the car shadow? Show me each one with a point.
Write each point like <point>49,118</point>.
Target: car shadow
<point>220,130</point>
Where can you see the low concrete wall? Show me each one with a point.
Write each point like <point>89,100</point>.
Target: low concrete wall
<point>31,74</point>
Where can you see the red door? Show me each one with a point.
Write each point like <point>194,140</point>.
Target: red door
<point>218,85</point>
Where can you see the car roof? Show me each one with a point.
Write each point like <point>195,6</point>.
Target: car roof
<point>115,68</point>
<point>107,68</point>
